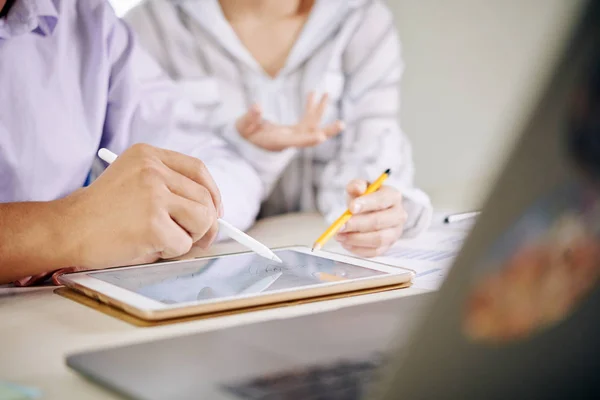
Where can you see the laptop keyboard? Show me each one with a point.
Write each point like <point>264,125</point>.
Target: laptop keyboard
<point>345,380</point>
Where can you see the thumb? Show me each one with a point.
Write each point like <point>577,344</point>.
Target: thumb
<point>356,188</point>
<point>247,123</point>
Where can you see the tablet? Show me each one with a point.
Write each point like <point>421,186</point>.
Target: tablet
<point>206,285</point>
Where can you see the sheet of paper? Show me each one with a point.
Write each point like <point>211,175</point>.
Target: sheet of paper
<point>430,255</point>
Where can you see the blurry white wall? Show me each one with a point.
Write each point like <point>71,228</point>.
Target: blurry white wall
<point>473,69</point>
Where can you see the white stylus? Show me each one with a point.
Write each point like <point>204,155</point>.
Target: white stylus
<point>247,241</point>
<point>230,230</point>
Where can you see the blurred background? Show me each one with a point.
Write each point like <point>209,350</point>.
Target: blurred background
<point>473,69</point>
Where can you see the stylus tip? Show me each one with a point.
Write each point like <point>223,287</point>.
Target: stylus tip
<point>275,258</point>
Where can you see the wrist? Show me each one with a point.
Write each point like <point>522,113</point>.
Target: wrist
<point>67,230</point>
<point>34,239</point>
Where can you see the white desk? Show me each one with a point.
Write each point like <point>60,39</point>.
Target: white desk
<point>39,328</point>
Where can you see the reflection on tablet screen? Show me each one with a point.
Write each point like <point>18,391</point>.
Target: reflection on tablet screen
<point>243,274</point>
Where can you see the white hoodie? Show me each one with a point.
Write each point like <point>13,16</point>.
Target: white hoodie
<point>348,48</point>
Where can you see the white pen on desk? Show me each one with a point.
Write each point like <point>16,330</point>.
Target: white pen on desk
<point>234,233</point>
<point>450,219</point>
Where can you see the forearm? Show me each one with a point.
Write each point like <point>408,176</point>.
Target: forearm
<point>33,239</point>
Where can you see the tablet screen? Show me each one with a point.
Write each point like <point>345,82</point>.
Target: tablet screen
<point>244,274</point>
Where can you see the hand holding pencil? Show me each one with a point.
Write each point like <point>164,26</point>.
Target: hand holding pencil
<point>373,222</point>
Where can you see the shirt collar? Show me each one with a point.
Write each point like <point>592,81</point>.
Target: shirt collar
<point>325,17</point>
<point>25,16</point>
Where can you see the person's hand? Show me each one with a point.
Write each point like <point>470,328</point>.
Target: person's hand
<point>149,204</point>
<point>273,137</point>
<point>377,222</point>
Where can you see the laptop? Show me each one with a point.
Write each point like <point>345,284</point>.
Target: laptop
<point>518,316</point>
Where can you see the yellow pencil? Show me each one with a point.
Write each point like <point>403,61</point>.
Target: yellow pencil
<point>341,221</point>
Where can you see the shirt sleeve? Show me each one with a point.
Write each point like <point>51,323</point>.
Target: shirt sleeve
<point>373,140</point>
<point>269,165</point>
<point>145,106</point>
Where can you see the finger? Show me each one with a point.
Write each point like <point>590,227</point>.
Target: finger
<point>194,169</point>
<point>255,127</point>
<point>356,188</point>
<point>366,252</point>
<point>255,121</point>
<point>309,111</point>
<point>300,141</point>
<point>371,240</point>
<point>334,129</point>
<point>209,237</point>
<point>244,123</point>
<point>322,107</point>
<point>32,280</point>
<point>195,218</point>
<point>22,282</point>
<point>310,104</point>
<point>183,186</point>
<point>376,221</point>
<point>382,199</point>
<point>315,115</point>
<point>172,240</point>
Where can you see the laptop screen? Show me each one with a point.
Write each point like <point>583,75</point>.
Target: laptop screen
<point>519,315</point>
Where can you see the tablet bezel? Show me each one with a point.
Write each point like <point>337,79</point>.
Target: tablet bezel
<point>152,310</point>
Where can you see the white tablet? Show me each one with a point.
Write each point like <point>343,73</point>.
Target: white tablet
<point>207,285</point>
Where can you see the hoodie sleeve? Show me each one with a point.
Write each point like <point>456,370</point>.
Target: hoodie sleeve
<point>150,20</point>
<point>373,140</point>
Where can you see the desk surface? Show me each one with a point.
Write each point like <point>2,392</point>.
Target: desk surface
<point>39,328</point>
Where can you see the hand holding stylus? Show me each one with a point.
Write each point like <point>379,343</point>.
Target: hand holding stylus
<point>151,204</point>
<point>168,201</point>
<point>230,230</point>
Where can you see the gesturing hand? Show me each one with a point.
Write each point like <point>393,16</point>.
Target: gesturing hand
<point>377,222</point>
<point>274,137</point>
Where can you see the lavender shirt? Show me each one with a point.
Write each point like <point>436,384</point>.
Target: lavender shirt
<point>72,80</point>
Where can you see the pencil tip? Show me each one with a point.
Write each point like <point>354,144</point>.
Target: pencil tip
<point>316,247</point>
<point>388,172</point>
